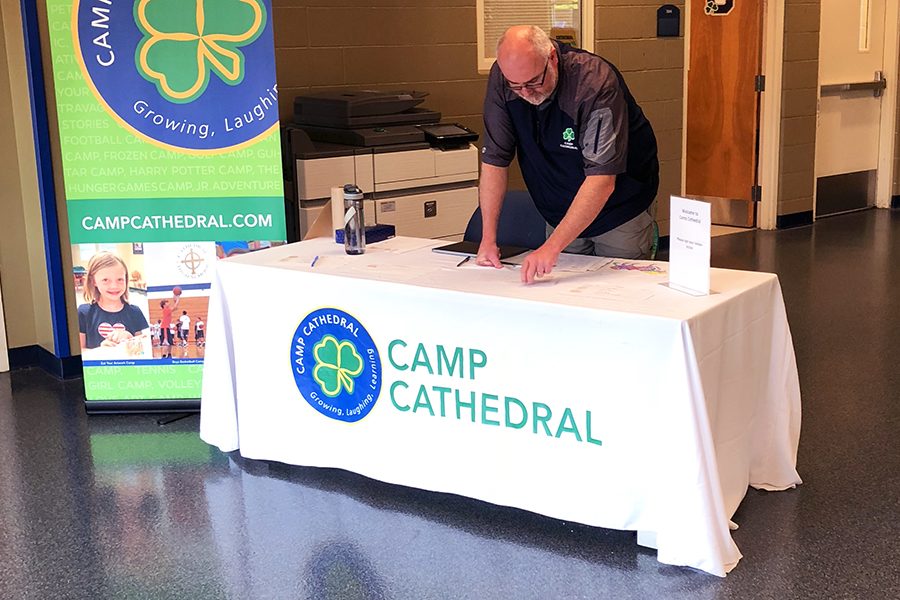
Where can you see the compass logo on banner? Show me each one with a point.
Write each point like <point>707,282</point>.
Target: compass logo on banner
<point>718,8</point>
<point>192,261</point>
<point>195,76</point>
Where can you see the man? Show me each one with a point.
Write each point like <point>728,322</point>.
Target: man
<point>167,326</point>
<point>185,322</point>
<point>154,333</point>
<point>173,332</point>
<point>586,151</point>
<point>198,331</point>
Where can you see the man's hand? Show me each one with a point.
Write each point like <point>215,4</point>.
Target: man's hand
<point>488,256</point>
<point>538,263</point>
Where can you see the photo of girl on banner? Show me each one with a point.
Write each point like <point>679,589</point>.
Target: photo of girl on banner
<point>110,324</point>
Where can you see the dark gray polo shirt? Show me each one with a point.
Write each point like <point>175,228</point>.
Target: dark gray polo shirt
<point>591,125</point>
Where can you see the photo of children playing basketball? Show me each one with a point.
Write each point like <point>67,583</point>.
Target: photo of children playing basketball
<point>112,322</point>
<point>180,318</point>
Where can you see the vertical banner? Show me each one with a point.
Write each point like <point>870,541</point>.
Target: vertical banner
<point>168,122</point>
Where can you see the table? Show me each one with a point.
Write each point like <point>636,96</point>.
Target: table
<point>598,395</point>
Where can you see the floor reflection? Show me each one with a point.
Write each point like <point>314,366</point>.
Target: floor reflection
<point>150,514</point>
<point>122,507</point>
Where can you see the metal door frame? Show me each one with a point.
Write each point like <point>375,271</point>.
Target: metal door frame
<point>763,111</point>
<point>771,108</point>
<point>884,187</point>
<point>884,171</point>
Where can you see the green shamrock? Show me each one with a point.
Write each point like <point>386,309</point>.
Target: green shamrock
<point>568,134</point>
<point>337,365</point>
<point>185,40</point>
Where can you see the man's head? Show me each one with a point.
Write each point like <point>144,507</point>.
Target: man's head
<point>529,62</point>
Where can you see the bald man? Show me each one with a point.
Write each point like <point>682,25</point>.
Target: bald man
<point>586,151</point>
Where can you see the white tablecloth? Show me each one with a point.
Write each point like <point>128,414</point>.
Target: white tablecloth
<point>598,396</point>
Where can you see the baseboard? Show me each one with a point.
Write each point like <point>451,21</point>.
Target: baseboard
<point>799,219</point>
<point>37,356</point>
<point>895,201</point>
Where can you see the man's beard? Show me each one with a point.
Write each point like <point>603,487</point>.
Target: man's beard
<point>536,99</point>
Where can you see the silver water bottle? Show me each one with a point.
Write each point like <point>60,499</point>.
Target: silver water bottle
<point>354,222</point>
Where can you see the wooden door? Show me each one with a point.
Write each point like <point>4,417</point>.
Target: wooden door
<point>723,107</point>
<point>851,52</point>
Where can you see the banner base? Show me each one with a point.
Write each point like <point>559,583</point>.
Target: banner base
<point>121,407</point>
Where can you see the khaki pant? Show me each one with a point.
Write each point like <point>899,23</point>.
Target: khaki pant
<point>629,240</point>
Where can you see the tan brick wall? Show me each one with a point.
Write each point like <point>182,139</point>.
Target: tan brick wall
<point>427,45</point>
<point>430,45</point>
<point>796,172</point>
<point>654,70</point>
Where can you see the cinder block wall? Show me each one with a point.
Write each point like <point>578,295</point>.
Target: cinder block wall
<point>796,173</point>
<point>430,45</point>
<point>654,71</point>
<point>427,45</point>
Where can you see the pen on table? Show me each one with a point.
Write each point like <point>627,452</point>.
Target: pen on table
<point>314,260</point>
<point>463,261</point>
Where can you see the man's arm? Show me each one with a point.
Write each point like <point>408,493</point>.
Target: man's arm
<point>588,202</point>
<point>491,190</point>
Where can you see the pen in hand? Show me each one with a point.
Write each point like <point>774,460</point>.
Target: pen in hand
<point>463,261</point>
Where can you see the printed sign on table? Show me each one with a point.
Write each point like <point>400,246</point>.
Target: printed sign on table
<point>689,237</point>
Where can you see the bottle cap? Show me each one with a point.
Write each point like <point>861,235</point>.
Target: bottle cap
<point>352,192</point>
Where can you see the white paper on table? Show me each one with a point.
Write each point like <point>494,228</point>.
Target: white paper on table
<point>611,292</point>
<point>404,244</point>
<point>572,263</point>
<point>689,241</point>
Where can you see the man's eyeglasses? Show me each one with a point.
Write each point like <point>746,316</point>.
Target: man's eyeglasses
<point>529,85</point>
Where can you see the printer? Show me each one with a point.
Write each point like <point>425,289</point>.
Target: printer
<point>417,173</point>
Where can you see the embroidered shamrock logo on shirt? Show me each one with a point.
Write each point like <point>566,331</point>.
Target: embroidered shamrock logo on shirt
<point>569,135</point>
<point>338,364</point>
<point>187,40</point>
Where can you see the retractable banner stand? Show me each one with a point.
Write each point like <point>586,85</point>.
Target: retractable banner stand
<point>168,122</point>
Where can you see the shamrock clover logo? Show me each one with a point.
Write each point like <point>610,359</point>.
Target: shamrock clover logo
<point>184,41</point>
<point>337,365</point>
<point>569,134</point>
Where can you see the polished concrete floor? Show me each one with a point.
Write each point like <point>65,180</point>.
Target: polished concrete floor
<point>123,507</point>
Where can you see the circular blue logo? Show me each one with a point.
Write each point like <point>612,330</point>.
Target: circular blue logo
<point>190,76</point>
<point>336,365</point>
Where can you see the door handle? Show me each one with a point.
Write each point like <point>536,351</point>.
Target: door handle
<point>877,86</point>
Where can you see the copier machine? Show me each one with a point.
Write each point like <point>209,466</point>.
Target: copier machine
<point>417,174</point>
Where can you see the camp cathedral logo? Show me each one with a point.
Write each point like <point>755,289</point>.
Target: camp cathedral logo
<point>336,365</point>
<point>568,137</point>
<point>195,76</point>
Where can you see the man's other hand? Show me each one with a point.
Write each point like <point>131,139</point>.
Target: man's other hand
<point>488,256</point>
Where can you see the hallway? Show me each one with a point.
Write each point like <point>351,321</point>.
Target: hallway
<point>122,507</point>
